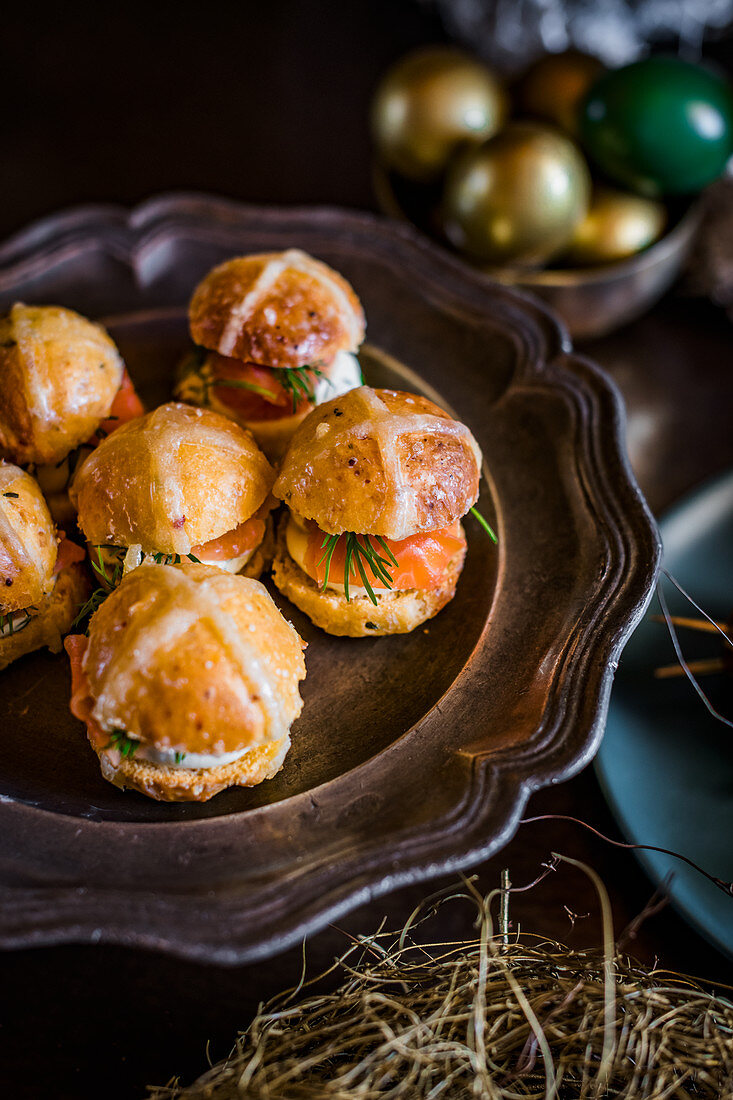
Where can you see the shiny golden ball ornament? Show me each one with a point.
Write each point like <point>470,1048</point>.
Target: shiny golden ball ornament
<point>554,87</point>
<point>518,198</point>
<point>428,105</point>
<point>616,226</point>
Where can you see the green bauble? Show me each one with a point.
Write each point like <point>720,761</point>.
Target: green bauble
<point>660,126</point>
<point>616,226</point>
<point>518,198</point>
<point>430,103</point>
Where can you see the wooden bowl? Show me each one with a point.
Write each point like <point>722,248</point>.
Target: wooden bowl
<point>592,301</point>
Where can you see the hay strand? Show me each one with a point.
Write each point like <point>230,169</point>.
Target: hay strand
<point>504,1016</point>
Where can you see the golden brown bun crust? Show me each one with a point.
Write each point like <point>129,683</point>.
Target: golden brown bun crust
<point>395,613</point>
<point>278,309</point>
<point>170,480</point>
<point>28,544</point>
<point>168,784</point>
<point>55,615</point>
<point>380,462</point>
<point>60,375</point>
<point>193,659</point>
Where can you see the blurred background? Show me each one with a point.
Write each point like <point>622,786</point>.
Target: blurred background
<point>258,102</point>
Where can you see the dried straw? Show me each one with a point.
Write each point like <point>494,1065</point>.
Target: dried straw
<point>504,1016</point>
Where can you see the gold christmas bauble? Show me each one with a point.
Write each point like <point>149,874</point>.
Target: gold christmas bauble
<point>518,198</point>
<point>428,105</point>
<point>555,85</point>
<point>617,225</point>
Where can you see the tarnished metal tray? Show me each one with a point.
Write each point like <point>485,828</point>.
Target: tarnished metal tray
<point>415,754</point>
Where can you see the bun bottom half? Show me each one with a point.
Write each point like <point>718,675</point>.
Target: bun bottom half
<point>167,784</point>
<point>395,612</point>
<point>54,618</point>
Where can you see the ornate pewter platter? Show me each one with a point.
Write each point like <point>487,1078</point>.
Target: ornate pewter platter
<point>415,754</point>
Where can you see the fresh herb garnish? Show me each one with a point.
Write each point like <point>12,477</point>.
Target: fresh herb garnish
<point>240,384</point>
<point>100,568</point>
<point>180,757</point>
<point>167,559</point>
<point>173,559</point>
<point>126,746</point>
<point>7,622</point>
<point>296,381</point>
<point>97,598</point>
<point>360,554</point>
<point>487,528</point>
<point>299,383</point>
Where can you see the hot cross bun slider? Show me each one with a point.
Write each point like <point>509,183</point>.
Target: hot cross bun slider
<point>376,482</point>
<point>41,580</point>
<point>276,333</point>
<point>64,386</point>
<point>188,682</point>
<point>177,483</point>
<point>60,376</point>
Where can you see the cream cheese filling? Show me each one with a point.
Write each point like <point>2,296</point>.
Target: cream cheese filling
<point>344,374</point>
<point>175,758</point>
<point>115,558</point>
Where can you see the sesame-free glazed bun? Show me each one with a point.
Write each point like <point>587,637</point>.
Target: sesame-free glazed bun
<point>173,479</point>
<point>197,661</point>
<point>395,612</point>
<point>276,309</point>
<point>60,374</point>
<point>28,544</point>
<point>380,462</point>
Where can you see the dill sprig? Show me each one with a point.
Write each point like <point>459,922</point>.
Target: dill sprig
<point>174,559</point>
<point>240,384</point>
<point>487,528</point>
<point>86,610</point>
<point>126,746</point>
<point>296,381</point>
<point>100,568</point>
<point>360,554</point>
<point>100,594</point>
<point>7,622</point>
<point>299,383</point>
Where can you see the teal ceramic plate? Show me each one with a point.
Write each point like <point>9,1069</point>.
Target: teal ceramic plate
<point>666,766</point>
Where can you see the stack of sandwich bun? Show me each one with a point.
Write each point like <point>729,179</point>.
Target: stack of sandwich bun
<point>276,335</point>
<point>187,677</point>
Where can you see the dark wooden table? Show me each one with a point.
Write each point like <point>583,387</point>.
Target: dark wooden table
<point>269,103</point>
